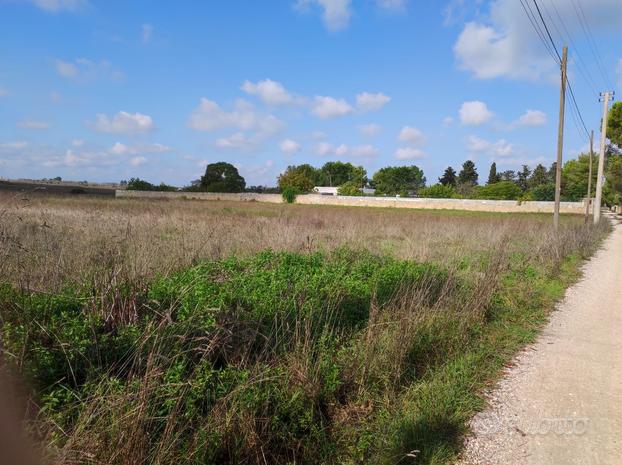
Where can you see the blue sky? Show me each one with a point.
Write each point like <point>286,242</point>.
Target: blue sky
<point>107,90</point>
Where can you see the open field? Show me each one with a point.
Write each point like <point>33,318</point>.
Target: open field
<point>219,332</point>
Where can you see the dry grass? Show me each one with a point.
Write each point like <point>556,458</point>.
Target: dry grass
<point>48,241</point>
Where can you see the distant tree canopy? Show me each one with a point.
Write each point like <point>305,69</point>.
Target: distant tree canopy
<point>614,125</point>
<point>493,177</point>
<point>137,184</point>
<point>302,178</point>
<point>437,191</point>
<point>468,174</point>
<point>502,190</point>
<point>222,177</point>
<point>449,177</point>
<point>337,173</point>
<point>402,180</point>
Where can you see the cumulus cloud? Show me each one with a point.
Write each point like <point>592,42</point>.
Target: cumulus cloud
<point>412,136</point>
<point>366,101</point>
<point>344,150</point>
<point>123,123</point>
<point>370,130</point>
<point>209,116</point>
<point>329,107</point>
<point>270,92</point>
<point>474,113</point>
<point>502,43</point>
<point>33,124</point>
<point>121,149</point>
<point>289,146</point>
<point>83,69</point>
<point>532,118</point>
<point>409,153</point>
<point>500,148</point>
<point>137,161</point>
<point>336,14</point>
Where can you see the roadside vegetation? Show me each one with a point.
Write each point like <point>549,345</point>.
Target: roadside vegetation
<point>180,332</point>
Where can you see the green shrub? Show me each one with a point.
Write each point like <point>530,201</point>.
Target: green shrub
<point>543,192</point>
<point>504,190</point>
<point>350,188</point>
<point>437,191</point>
<point>289,194</point>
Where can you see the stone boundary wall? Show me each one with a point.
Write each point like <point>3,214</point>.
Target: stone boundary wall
<point>502,206</point>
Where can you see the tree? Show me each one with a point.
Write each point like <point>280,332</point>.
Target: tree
<point>522,180</point>
<point>493,177</point>
<point>350,188</point>
<point>437,191</point>
<point>543,192</point>
<point>336,173</point>
<point>222,177</point>
<point>508,175</point>
<point>468,175</point>
<point>539,176</point>
<point>502,190</point>
<point>137,184</point>
<point>402,180</point>
<point>614,124</point>
<point>301,178</point>
<point>574,178</point>
<point>449,177</point>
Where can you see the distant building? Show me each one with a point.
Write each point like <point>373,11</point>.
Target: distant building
<point>325,190</point>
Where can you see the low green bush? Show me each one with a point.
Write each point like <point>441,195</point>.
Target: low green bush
<point>289,194</point>
<point>504,190</point>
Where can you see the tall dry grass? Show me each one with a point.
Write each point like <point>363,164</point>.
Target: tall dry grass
<point>49,241</point>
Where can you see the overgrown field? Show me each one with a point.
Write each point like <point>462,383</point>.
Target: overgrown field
<point>239,333</point>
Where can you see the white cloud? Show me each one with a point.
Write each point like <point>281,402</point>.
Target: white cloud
<point>335,15</point>
<point>371,102</point>
<point>503,43</point>
<point>146,33</point>
<point>412,136</point>
<point>289,146</point>
<point>3,92</point>
<point>474,113</point>
<point>121,149</point>
<point>33,124</point>
<point>324,148</point>
<point>619,71</point>
<point>532,118</point>
<point>409,153</point>
<point>329,107</point>
<point>123,123</point>
<point>448,120</point>
<point>83,69</point>
<point>270,92</point>
<point>364,151</point>
<point>395,5</point>
<point>59,5</point>
<point>77,142</point>
<point>500,148</point>
<point>344,150</point>
<point>370,130</point>
<point>137,161</point>
<point>209,116</point>
<point>17,145</point>
<point>66,69</point>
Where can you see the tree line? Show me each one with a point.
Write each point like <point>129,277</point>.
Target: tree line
<point>524,184</point>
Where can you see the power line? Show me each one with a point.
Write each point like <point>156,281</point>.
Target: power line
<point>536,27</point>
<point>546,28</point>
<point>591,42</point>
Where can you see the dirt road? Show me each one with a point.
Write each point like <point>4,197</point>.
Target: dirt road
<point>561,403</point>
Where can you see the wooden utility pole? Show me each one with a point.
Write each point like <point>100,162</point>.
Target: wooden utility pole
<point>606,96</point>
<point>560,138</point>
<point>589,180</point>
